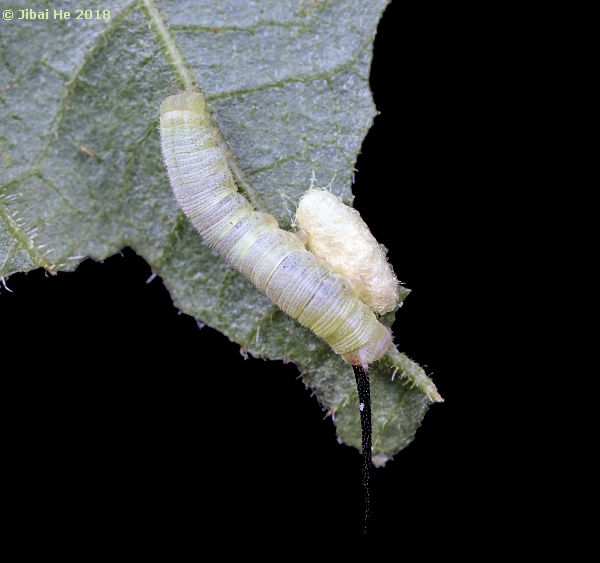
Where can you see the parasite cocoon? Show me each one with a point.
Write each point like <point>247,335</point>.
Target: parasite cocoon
<point>337,233</point>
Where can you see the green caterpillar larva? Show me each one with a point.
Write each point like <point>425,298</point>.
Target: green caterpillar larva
<point>276,261</point>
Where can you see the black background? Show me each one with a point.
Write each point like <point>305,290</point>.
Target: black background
<point>108,415</point>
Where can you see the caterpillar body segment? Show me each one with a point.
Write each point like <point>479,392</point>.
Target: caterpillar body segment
<point>276,261</point>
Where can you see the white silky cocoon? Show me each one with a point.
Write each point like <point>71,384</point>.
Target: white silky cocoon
<point>338,234</point>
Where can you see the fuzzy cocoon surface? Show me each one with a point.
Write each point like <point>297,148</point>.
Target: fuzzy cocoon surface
<point>337,233</point>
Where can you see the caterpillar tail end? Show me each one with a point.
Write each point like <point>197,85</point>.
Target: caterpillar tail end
<point>372,350</point>
<point>186,101</point>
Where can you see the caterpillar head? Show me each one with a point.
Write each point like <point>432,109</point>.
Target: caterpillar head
<point>186,101</point>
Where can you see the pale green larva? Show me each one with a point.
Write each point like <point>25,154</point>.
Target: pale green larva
<point>338,234</point>
<point>337,304</point>
<point>276,261</point>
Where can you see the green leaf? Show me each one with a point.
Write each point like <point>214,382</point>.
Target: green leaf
<point>82,174</point>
